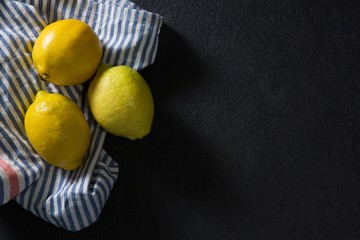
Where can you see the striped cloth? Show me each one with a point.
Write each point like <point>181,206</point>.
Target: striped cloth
<point>69,199</point>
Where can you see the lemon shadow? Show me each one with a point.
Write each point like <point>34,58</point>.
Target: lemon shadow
<point>173,173</point>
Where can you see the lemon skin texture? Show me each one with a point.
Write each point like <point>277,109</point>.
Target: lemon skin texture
<point>121,101</point>
<point>67,52</point>
<point>57,130</point>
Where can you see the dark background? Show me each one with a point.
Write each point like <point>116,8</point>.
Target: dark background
<point>256,132</point>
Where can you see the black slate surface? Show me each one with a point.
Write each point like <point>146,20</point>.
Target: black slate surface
<point>256,132</point>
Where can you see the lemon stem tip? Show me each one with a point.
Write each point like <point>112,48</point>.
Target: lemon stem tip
<point>44,76</point>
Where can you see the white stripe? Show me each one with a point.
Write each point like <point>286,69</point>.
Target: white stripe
<point>69,191</point>
<point>24,53</point>
<point>30,20</point>
<point>68,9</point>
<point>87,176</point>
<point>122,35</point>
<point>92,15</point>
<point>83,11</point>
<point>142,44</point>
<point>59,210</point>
<point>10,19</point>
<point>108,39</point>
<point>81,207</point>
<point>16,137</point>
<point>97,150</point>
<point>136,37</point>
<point>44,8</point>
<point>102,180</point>
<point>15,107</point>
<point>51,15</point>
<point>59,10</point>
<point>35,195</point>
<point>47,192</point>
<point>152,40</point>
<point>38,18</point>
<point>97,200</point>
<point>128,37</point>
<point>46,189</point>
<point>64,213</point>
<point>16,169</point>
<point>97,10</point>
<point>19,162</point>
<point>14,80</point>
<point>99,179</point>
<point>18,108</point>
<point>90,207</point>
<point>24,152</point>
<point>56,188</point>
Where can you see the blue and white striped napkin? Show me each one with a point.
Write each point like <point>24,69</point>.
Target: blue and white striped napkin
<point>69,199</point>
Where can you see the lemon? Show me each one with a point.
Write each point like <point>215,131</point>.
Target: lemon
<point>121,101</point>
<point>57,130</point>
<point>67,52</point>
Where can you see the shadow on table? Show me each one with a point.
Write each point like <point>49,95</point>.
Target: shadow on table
<point>172,174</point>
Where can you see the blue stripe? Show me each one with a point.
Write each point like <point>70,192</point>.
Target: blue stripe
<point>12,12</point>
<point>136,49</point>
<point>133,30</point>
<point>71,193</point>
<point>18,134</point>
<point>109,35</point>
<point>117,39</point>
<point>26,177</point>
<point>87,11</point>
<point>54,9</point>
<point>85,207</point>
<point>154,45</point>
<point>39,8</point>
<point>66,200</point>
<point>19,153</point>
<point>81,186</point>
<point>72,223</point>
<point>128,4</point>
<point>121,47</point>
<point>100,21</point>
<point>147,41</point>
<point>60,199</point>
<point>83,102</point>
<point>17,94</point>
<point>101,187</point>
<point>14,119</point>
<point>107,181</point>
<point>93,204</point>
<point>67,92</point>
<point>72,8</point>
<point>45,213</point>
<point>55,220</point>
<point>18,64</point>
<point>63,10</point>
<point>75,204</point>
<point>39,193</point>
<point>19,13</point>
<point>88,165</point>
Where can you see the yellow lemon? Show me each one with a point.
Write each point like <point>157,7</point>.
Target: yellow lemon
<point>67,52</point>
<point>121,101</point>
<point>57,130</point>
